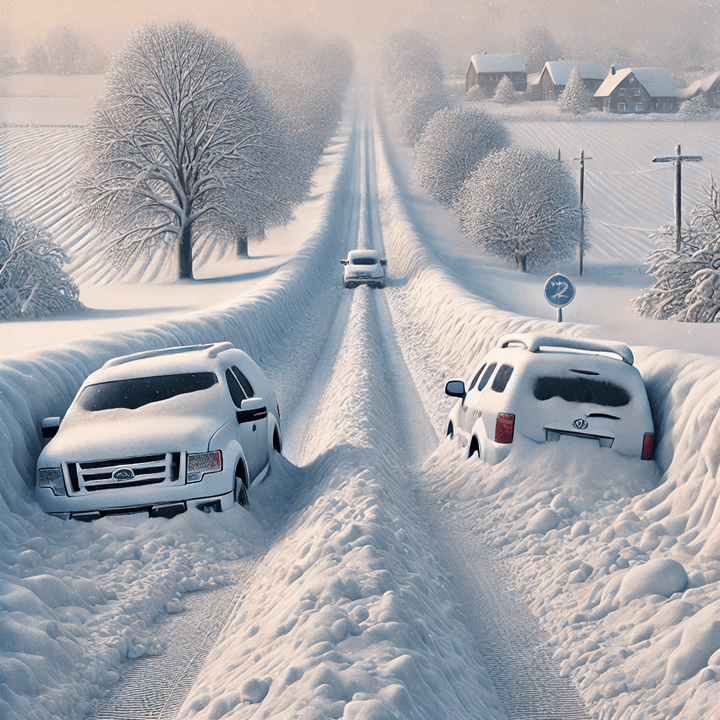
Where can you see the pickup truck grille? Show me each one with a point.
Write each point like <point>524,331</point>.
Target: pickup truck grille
<point>123,472</point>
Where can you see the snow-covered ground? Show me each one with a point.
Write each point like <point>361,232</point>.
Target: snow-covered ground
<point>377,573</point>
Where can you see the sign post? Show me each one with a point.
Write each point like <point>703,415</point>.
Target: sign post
<point>559,292</point>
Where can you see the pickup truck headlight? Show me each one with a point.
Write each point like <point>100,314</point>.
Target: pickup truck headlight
<point>200,463</point>
<point>52,478</point>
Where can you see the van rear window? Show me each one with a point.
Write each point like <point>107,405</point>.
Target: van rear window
<point>581,390</point>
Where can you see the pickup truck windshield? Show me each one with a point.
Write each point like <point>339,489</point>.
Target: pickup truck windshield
<point>136,392</point>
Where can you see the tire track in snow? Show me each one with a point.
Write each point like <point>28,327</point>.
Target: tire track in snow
<point>510,638</point>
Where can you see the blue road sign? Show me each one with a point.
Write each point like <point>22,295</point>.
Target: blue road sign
<point>559,290</point>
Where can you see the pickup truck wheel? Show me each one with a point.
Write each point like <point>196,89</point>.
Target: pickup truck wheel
<point>241,495</point>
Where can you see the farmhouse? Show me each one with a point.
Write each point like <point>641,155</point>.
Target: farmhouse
<point>487,71</point>
<point>555,74</point>
<point>637,90</point>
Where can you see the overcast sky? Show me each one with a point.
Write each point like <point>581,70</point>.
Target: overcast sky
<point>460,27</point>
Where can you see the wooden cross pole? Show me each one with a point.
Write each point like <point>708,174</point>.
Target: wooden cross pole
<point>678,159</point>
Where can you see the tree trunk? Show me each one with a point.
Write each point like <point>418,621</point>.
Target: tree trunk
<point>185,260</point>
<point>242,244</point>
<point>521,261</point>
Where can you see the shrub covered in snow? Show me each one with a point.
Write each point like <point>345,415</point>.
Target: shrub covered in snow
<point>505,92</point>
<point>32,281</point>
<point>454,142</point>
<point>413,77</point>
<point>575,98</point>
<point>522,205</point>
<point>476,92</point>
<point>183,149</point>
<point>695,107</point>
<point>687,283</point>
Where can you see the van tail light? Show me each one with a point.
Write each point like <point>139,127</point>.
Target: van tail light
<point>504,428</point>
<point>648,446</point>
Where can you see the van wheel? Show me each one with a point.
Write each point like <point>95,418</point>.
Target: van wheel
<point>474,447</point>
<point>241,495</point>
<point>277,443</point>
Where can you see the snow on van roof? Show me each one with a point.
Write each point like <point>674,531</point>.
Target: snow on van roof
<point>534,341</point>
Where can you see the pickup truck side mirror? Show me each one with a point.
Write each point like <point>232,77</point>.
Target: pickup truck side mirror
<point>455,388</point>
<point>343,262</point>
<point>251,409</point>
<point>50,427</point>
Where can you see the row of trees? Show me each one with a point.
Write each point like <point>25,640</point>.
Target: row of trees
<point>189,153</point>
<point>516,203</point>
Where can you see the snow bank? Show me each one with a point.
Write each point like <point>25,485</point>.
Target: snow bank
<point>353,615</point>
<point>602,544</point>
<point>74,598</point>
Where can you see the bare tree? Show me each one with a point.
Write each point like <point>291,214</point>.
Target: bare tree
<point>538,47</point>
<point>36,59</point>
<point>182,150</point>
<point>453,143</point>
<point>32,281</point>
<point>522,205</point>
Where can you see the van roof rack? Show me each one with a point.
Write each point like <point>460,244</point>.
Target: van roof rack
<point>533,342</point>
<point>212,350</point>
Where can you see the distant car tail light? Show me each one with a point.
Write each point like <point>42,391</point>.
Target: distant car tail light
<point>52,478</point>
<point>504,428</point>
<point>201,463</point>
<point>648,446</point>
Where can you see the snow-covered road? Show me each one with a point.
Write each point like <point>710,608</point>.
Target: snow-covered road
<point>377,574</point>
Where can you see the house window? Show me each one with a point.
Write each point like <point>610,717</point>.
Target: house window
<point>636,92</point>
<point>622,91</point>
<point>639,107</point>
<point>621,107</point>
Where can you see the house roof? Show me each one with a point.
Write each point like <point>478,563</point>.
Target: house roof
<point>560,70</point>
<point>498,63</point>
<point>533,80</point>
<point>703,85</point>
<point>707,82</point>
<point>655,80</point>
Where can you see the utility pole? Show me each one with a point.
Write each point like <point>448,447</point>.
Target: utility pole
<point>582,160</point>
<point>678,159</point>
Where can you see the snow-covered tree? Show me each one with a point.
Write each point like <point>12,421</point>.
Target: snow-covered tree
<point>538,47</point>
<point>65,50</point>
<point>414,80</point>
<point>475,93</point>
<point>183,150</point>
<point>32,281</point>
<point>522,205</point>
<point>36,59</point>
<point>308,101</point>
<point>8,63</point>
<point>453,143</point>
<point>686,282</point>
<point>575,98</point>
<point>505,92</point>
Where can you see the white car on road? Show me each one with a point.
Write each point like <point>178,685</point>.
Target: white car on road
<point>545,387</point>
<point>364,267</point>
<point>160,432</point>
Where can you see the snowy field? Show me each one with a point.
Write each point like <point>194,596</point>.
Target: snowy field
<point>376,574</point>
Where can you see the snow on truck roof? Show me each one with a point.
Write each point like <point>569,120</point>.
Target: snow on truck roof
<point>533,342</point>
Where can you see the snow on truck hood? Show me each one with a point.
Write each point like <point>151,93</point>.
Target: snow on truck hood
<point>151,429</point>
